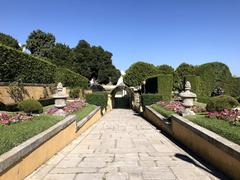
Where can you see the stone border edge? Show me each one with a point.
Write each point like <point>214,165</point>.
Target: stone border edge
<point>85,119</point>
<point>226,145</point>
<point>17,153</point>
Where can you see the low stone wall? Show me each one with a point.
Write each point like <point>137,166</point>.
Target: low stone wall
<point>22,160</point>
<point>218,151</point>
<point>35,91</point>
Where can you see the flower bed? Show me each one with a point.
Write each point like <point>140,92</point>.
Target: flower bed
<point>71,107</point>
<point>7,119</point>
<point>225,123</point>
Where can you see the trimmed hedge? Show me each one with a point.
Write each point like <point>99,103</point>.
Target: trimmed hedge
<point>98,99</point>
<point>70,79</point>
<point>30,106</point>
<point>149,99</point>
<point>14,106</point>
<point>219,103</point>
<point>18,66</point>
<point>161,84</point>
<point>195,82</point>
<point>213,75</point>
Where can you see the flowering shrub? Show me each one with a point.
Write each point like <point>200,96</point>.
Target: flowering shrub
<point>71,107</point>
<point>233,116</point>
<point>6,119</point>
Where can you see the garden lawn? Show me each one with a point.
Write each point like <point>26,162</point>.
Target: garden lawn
<point>14,134</point>
<point>83,112</point>
<point>221,127</point>
<point>163,111</point>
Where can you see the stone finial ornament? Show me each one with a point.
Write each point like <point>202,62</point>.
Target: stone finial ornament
<point>60,97</point>
<point>187,99</point>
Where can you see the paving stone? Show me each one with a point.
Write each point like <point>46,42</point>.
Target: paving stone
<point>89,176</point>
<point>121,146</point>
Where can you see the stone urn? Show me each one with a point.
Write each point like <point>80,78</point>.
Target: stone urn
<point>188,98</point>
<point>60,97</point>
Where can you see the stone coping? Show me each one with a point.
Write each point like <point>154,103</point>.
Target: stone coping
<point>224,144</point>
<point>26,84</point>
<point>89,116</point>
<point>17,153</point>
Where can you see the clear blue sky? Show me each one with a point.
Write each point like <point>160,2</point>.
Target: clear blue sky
<point>155,31</point>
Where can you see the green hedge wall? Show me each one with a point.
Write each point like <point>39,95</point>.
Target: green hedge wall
<point>70,78</point>
<point>165,86</point>
<point>195,83</point>
<point>149,99</point>
<point>161,84</point>
<point>98,99</point>
<point>18,66</point>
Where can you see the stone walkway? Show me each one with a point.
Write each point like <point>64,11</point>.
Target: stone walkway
<point>122,146</point>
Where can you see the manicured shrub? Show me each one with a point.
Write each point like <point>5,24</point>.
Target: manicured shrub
<point>74,93</point>
<point>30,106</point>
<point>161,84</point>
<point>70,79</point>
<point>219,103</point>
<point>214,75</point>
<point>98,99</point>
<point>149,99</point>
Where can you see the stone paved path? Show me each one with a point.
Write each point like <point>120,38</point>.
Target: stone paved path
<point>122,146</point>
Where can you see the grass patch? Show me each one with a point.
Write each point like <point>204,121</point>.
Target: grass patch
<point>14,134</point>
<point>84,111</point>
<point>221,127</point>
<point>163,111</point>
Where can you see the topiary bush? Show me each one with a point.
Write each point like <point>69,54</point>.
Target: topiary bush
<point>98,99</point>
<point>160,84</point>
<point>30,106</point>
<point>219,103</point>
<point>149,99</point>
<point>74,93</point>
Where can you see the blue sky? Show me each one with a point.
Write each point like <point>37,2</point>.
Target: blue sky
<point>155,31</point>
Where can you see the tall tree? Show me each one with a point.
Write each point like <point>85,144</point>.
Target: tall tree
<point>95,62</point>
<point>40,43</point>
<point>62,55</point>
<point>8,40</point>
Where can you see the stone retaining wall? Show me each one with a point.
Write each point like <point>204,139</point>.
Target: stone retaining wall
<point>25,158</point>
<point>218,151</point>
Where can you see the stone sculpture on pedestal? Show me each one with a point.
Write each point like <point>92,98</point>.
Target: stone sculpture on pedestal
<point>187,100</point>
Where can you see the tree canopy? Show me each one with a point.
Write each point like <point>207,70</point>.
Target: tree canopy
<point>138,72</point>
<point>165,69</point>
<point>89,61</point>
<point>40,43</point>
